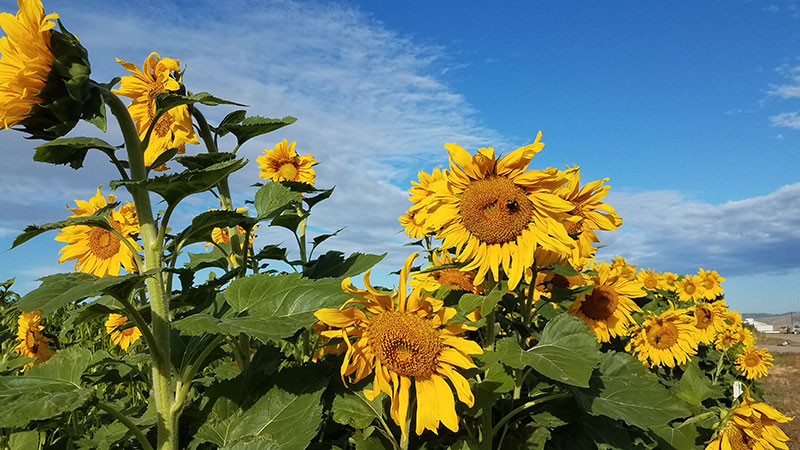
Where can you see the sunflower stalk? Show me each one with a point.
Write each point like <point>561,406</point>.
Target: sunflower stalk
<point>125,420</point>
<point>159,302</point>
<point>224,188</point>
<point>526,406</point>
<point>719,368</point>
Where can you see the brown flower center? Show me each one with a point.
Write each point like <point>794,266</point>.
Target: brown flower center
<point>456,279</point>
<point>738,438</point>
<point>690,288</point>
<point>103,243</point>
<point>495,210</point>
<point>404,343</point>
<point>663,335</point>
<point>601,303</point>
<point>163,125</point>
<point>650,282</point>
<point>752,359</point>
<point>574,228</point>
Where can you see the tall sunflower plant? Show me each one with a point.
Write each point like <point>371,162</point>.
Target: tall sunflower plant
<point>503,331</point>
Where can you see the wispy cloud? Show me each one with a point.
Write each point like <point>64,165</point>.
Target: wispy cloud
<point>787,120</point>
<point>669,230</point>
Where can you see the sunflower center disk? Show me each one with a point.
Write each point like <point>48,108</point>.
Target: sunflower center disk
<point>752,360</point>
<point>495,210</point>
<point>663,336</point>
<point>601,303</point>
<point>404,343</point>
<point>288,171</point>
<point>455,279</point>
<point>163,125</point>
<point>103,244</point>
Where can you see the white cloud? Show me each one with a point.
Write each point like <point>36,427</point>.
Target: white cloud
<point>787,120</point>
<point>668,230</point>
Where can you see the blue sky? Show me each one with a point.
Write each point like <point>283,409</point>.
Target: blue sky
<point>691,109</point>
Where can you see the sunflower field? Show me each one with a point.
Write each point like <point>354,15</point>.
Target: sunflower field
<point>502,331</point>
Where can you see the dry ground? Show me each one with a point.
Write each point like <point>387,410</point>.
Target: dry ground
<point>782,390</point>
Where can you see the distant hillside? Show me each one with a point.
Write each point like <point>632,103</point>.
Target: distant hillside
<point>776,320</point>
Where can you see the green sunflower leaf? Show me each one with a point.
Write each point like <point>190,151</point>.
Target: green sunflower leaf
<point>256,126</point>
<point>70,151</point>
<point>334,264</point>
<point>273,198</point>
<point>204,160</point>
<point>166,101</point>
<point>626,390</point>
<point>63,288</point>
<point>176,186</point>
<point>355,410</point>
<point>46,390</point>
<point>98,219</point>
<point>567,351</point>
<point>677,438</point>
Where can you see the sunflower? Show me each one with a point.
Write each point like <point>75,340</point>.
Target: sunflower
<point>590,212</point>
<point>626,270</point>
<point>608,306</point>
<point>283,164</point>
<point>746,337</point>
<point>413,224</point>
<point>649,278</point>
<point>123,337</point>
<point>710,280</point>
<point>690,287</point>
<point>668,339</point>
<point>495,213</point>
<point>754,363</point>
<point>709,319</point>
<point>174,127</point>
<point>31,340</point>
<point>752,426</point>
<point>726,339</point>
<point>668,282</point>
<point>96,250</point>
<point>404,340</point>
<point>26,60</point>
<point>453,278</point>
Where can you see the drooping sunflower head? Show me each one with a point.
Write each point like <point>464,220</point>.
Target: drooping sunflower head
<point>96,250</point>
<point>711,283</point>
<point>120,335</point>
<point>44,74</point>
<point>31,340</point>
<point>174,128</point>
<point>495,212</point>
<point>751,426</point>
<point>607,308</point>
<point>668,339</point>
<point>754,363</point>
<point>414,224</point>
<point>404,339</point>
<point>283,164</point>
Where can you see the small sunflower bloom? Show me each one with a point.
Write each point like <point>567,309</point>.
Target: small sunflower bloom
<point>174,128</point>
<point>669,339</point>
<point>668,282</point>
<point>711,283</point>
<point>709,319</point>
<point>31,340</point>
<point>690,287</point>
<point>752,426</point>
<point>453,278</point>
<point>96,250</point>
<point>589,211</point>
<point>283,164</point>
<point>495,212</point>
<point>404,341</point>
<point>123,337</point>
<point>626,270</point>
<point>754,363</point>
<point>650,279</point>
<point>608,307</point>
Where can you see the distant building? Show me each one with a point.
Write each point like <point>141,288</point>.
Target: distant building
<point>761,327</point>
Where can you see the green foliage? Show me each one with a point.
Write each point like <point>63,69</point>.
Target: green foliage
<point>71,151</point>
<point>97,219</point>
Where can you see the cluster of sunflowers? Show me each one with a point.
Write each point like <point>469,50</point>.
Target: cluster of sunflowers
<point>511,335</point>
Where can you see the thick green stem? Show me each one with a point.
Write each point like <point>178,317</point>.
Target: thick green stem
<point>186,380</point>
<point>301,236</point>
<point>159,302</point>
<point>719,368</point>
<point>128,423</point>
<point>224,188</point>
